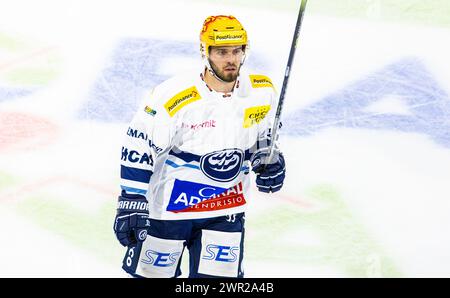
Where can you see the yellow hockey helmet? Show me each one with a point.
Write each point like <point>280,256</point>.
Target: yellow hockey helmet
<point>221,30</point>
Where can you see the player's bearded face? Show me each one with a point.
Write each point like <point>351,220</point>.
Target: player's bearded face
<point>226,62</point>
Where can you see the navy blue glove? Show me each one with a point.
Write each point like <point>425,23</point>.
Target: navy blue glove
<point>269,177</point>
<point>132,219</point>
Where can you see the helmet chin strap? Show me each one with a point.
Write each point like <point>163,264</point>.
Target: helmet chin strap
<point>212,72</point>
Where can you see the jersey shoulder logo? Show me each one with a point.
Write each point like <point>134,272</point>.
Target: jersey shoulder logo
<point>149,111</point>
<point>260,81</point>
<point>181,100</point>
<point>254,115</point>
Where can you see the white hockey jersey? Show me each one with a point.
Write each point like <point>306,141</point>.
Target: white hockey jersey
<point>188,147</point>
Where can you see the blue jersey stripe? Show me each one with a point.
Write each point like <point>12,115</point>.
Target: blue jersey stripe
<point>174,165</point>
<point>135,174</point>
<point>186,156</point>
<point>189,157</point>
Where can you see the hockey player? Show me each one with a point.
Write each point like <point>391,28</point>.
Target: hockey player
<point>186,160</point>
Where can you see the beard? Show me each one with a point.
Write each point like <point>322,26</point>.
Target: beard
<point>229,77</point>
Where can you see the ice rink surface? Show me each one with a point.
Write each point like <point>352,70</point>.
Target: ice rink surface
<point>366,133</point>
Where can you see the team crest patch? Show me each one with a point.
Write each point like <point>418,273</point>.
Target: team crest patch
<point>260,81</point>
<point>181,100</point>
<point>223,165</point>
<point>254,115</point>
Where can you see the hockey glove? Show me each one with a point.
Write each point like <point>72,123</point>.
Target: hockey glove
<point>132,220</point>
<point>269,177</point>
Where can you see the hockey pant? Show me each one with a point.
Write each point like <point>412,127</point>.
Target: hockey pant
<point>215,248</point>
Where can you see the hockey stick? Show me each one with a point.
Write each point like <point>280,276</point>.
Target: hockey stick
<point>276,123</point>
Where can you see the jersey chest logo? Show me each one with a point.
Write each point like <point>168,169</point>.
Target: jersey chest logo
<point>223,165</point>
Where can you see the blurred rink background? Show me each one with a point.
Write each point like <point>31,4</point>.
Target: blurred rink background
<point>366,131</point>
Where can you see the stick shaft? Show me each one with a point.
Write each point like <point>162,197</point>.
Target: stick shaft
<point>287,73</point>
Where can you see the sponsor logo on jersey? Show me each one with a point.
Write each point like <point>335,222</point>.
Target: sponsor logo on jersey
<point>182,99</point>
<point>205,124</point>
<point>160,259</point>
<point>196,197</point>
<point>221,253</point>
<point>149,111</point>
<point>233,37</point>
<point>140,135</point>
<point>254,115</point>
<point>223,165</point>
<point>260,81</point>
<point>135,157</point>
